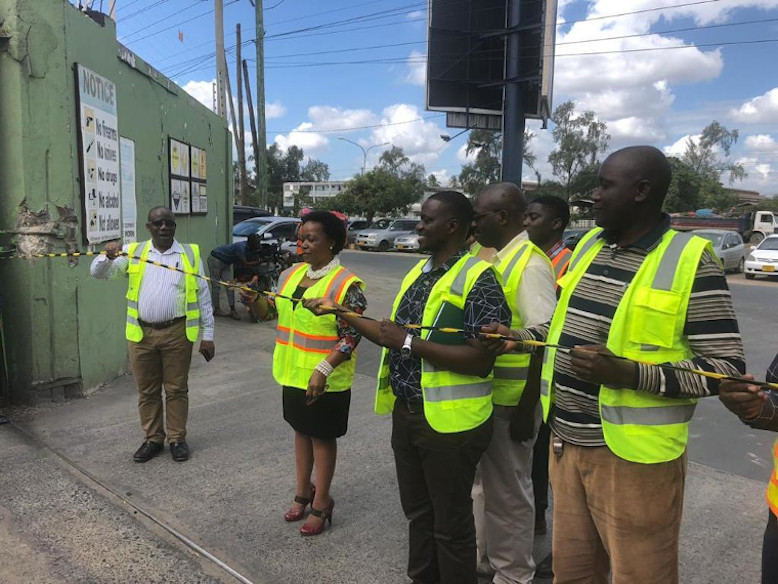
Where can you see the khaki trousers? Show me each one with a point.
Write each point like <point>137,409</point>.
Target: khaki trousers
<point>503,502</point>
<point>162,359</point>
<point>614,515</point>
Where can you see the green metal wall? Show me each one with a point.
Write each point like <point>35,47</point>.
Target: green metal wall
<point>64,330</point>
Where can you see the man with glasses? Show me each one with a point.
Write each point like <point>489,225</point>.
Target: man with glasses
<point>502,493</point>
<point>166,311</point>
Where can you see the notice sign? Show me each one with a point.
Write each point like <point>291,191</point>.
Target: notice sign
<point>99,156</point>
<point>129,210</point>
<point>188,193</point>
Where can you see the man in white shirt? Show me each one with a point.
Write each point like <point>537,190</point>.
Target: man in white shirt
<point>503,498</point>
<point>166,312</point>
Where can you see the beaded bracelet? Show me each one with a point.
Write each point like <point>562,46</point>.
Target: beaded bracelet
<point>325,368</point>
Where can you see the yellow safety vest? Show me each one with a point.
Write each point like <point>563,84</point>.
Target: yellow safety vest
<point>510,369</point>
<point>772,486</point>
<point>304,339</point>
<point>647,326</point>
<point>452,402</point>
<point>135,270</point>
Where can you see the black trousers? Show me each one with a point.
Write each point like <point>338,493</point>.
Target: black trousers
<point>435,473</point>
<point>540,470</point>
<point>770,552</point>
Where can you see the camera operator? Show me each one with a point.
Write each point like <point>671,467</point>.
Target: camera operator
<point>220,264</point>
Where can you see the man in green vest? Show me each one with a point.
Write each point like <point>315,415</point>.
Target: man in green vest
<point>438,388</point>
<point>166,312</point>
<point>503,499</point>
<point>638,290</point>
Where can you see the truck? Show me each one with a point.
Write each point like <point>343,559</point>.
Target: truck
<point>753,227</point>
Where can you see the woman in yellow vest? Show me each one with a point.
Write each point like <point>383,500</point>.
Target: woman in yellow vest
<point>758,408</point>
<point>314,362</point>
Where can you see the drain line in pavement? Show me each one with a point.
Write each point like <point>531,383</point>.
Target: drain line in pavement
<point>179,536</point>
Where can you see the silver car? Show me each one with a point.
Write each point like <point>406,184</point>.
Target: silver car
<point>407,243</point>
<point>728,247</point>
<point>382,238</point>
<point>270,229</point>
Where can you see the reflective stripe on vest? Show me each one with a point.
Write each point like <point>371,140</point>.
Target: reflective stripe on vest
<point>453,402</point>
<point>647,326</point>
<point>772,486</point>
<point>511,369</point>
<point>135,271</point>
<point>560,262</point>
<point>303,339</point>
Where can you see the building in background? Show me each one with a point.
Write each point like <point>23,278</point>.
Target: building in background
<point>91,137</point>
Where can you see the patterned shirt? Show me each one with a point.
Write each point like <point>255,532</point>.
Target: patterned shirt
<point>484,305</point>
<point>162,295</point>
<point>711,330</point>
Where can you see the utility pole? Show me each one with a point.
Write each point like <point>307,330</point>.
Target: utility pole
<point>221,61</point>
<point>240,130</point>
<point>231,108</point>
<point>261,128</point>
<point>252,120</point>
<point>513,106</point>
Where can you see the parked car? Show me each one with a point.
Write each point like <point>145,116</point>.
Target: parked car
<point>407,243</point>
<point>382,238</point>
<point>571,237</point>
<point>354,227</point>
<point>763,259</point>
<point>728,247</point>
<point>270,229</point>
<point>243,212</point>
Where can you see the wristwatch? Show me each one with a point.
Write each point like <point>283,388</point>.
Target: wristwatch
<point>405,352</point>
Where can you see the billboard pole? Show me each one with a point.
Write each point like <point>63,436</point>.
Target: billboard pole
<point>513,105</point>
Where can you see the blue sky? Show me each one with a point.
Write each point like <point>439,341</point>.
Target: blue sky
<point>658,97</point>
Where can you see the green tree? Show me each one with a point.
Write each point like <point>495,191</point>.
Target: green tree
<point>487,166</point>
<point>580,140</point>
<point>684,191</point>
<point>393,185</point>
<point>703,155</point>
<point>287,166</point>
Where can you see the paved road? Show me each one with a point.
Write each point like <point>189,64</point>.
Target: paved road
<point>231,495</point>
<point>718,438</point>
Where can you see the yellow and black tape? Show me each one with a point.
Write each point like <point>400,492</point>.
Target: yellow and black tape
<point>708,374</point>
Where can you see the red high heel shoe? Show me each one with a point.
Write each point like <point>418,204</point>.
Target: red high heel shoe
<point>325,516</point>
<point>297,514</point>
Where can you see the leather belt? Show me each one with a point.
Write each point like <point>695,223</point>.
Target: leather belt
<point>161,325</point>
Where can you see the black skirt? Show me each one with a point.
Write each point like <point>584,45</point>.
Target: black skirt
<point>326,418</point>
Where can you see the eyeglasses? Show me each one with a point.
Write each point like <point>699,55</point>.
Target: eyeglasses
<point>165,222</point>
<point>480,216</point>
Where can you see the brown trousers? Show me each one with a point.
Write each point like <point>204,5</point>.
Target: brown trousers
<point>612,514</point>
<point>162,359</point>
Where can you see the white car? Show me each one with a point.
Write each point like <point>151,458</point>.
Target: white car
<point>763,259</point>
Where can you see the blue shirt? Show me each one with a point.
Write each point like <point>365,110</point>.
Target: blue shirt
<point>232,253</point>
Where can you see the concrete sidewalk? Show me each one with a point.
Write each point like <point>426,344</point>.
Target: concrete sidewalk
<point>230,497</point>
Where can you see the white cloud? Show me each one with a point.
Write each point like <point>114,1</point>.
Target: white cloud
<point>444,178</point>
<point>417,68</point>
<point>761,143</point>
<point>274,109</point>
<point>325,117</point>
<point>202,91</point>
<point>415,15</point>
<point>762,109</point>
<point>628,81</point>
<point>420,140</point>
<point>678,147</point>
<point>304,138</point>
<point>464,157</point>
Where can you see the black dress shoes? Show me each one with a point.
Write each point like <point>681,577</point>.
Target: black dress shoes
<point>180,451</point>
<point>147,451</point>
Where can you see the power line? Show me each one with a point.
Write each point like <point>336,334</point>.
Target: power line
<point>176,25</point>
<point>144,9</point>
<point>332,130</point>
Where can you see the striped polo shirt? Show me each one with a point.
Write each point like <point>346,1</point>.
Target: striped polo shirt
<point>711,330</point>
